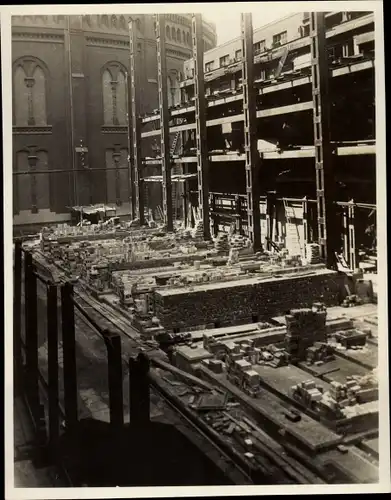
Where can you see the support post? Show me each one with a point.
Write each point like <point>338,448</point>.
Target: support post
<point>164,119</point>
<point>139,391</point>
<point>238,210</point>
<point>305,224</point>
<point>17,334</point>
<point>345,224</point>
<point>352,236</point>
<point>114,365</point>
<point>325,183</point>
<point>200,118</point>
<point>136,125</point>
<point>250,132</point>
<point>52,336</point>
<point>31,330</point>
<point>69,349</point>
<point>131,167</point>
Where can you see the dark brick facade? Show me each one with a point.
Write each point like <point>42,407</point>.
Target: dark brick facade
<point>72,53</point>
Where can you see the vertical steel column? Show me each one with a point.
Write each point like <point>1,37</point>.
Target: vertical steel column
<point>114,363</point>
<point>345,225</point>
<point>325,190</point>
<point>200,117</point>
<point>17,312</point>
<point>352,236</point>
<point>52,336</point>
<point>136,126</point>
<point>31,332</point>
<point>131,168</point>
<point>238,210</point>
<point>305,224</point>
<point>69,348</point>
<point>164,119</point>
<point>250,132</point>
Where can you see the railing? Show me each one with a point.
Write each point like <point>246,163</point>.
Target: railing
<point>49,315</point>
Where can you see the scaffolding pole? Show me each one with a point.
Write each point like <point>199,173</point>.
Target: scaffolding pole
<point>200,118</point>
<point>250,132</point>
<point>164,119</point>
<point>325,184</point>
<point>136,125</point>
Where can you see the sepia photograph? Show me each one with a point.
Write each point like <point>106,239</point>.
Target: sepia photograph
<point>196,282</point>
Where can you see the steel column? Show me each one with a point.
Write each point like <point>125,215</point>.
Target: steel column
<point>352,236</point>
<point>325,184</point>
<point>131,169</point>
<point>200,118</point>
<point>164,120</point>
<point>69,349</point>
<point>136,125</point>
<point>305,224</point>
<point>250,132</point>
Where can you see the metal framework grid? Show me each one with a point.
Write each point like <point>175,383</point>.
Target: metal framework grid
<point>164,117</point>
<point>325,189</point>
<point>200,118</point>
<point>250,128</point>
<point>136,127</point>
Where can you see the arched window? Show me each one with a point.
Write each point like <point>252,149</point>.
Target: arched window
<point>184,37</point>
<point>178,35</point>
<point>114,95</point>
<point>29,93</point>
<point>138,24</point>
<point>188,38</point>
<point>105,21</point>
<point>114,21</point>
<point>122,23</point>
<point>173,33</point>
<point>168,34</point>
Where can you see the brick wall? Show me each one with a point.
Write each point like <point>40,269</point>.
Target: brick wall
<point>263,299</point>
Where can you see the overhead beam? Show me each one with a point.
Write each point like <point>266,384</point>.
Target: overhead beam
<point>136,124</point>
<point>200,123</point>
<point>252,159</point>
<point>164,119</point>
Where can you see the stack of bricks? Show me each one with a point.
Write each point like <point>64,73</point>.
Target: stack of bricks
<point>242,300</point>
<point>304,328</point>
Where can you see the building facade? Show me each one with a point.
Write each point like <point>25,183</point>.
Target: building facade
<point>70,94</point>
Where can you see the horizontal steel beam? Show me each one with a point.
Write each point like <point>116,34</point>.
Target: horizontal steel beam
<point>307,152</point>
<point>67,171</point>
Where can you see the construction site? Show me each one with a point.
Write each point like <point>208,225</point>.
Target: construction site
<point>227,325</point>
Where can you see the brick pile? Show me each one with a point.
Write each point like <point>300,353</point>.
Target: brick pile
<point>304,327</point>
<point>267,298</point>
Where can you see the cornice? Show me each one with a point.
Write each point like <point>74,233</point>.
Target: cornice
<point>35,130</point>
<point>37,36</point>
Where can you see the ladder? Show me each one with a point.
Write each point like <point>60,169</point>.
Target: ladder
<point>289,220</point>
<point>174,143</point>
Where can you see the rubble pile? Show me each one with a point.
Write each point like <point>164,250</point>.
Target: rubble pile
<point>221,243</point>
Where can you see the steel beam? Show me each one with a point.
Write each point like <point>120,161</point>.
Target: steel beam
<point>250,132</point>
<point>164,119</point>
<point>200,119</point>
<point>136,125</point>
<point>325,184</point>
